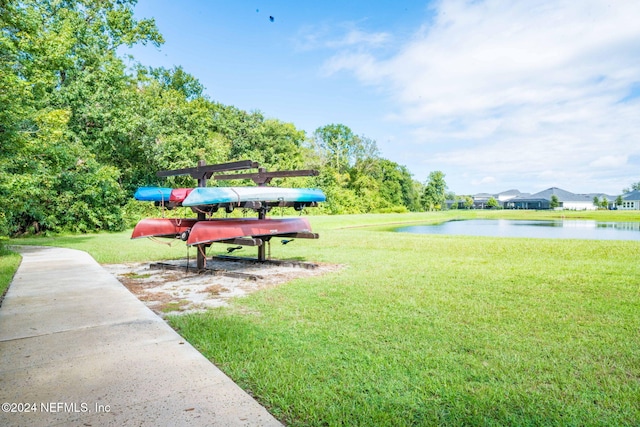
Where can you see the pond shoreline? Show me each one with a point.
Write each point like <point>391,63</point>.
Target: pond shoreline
<point>546,229</point>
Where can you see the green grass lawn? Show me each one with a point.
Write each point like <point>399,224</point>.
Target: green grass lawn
<point>9,262</point>
<point>430,329</point>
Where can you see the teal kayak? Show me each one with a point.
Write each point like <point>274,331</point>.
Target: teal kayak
<point>223,195</point>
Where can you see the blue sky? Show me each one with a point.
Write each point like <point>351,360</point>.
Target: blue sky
<point>497,94</point>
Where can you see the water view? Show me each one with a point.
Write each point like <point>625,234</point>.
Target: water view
<point>564,229</point>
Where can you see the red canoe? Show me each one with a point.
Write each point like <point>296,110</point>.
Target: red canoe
<point>214,231</point>
<point>163,227</point>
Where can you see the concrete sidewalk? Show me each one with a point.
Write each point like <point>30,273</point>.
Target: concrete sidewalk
<point>77,348</point>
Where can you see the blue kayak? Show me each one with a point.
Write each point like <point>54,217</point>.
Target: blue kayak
<point>161,194</point>
<point>222,195</point>
<point>153,194</point>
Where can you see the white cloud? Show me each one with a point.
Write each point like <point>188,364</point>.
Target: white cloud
<point>356,37</point>
<point>362,64</point>
<point>533,89</point>
<point>609,162</point>
<point>343,35</point>
<point>483,181</point>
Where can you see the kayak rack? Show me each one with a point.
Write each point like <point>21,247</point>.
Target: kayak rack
<point>202,172</point>
<point>233,274</point>
<point>274,262</point>
<point>207,270</point>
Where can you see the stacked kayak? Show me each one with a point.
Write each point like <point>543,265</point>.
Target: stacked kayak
<point>212,198</point>
<point>240,195</point>
<point>161,194</point>
<point>203,232</point>
<point>216,231</point>
<point>163,227</point>
<point>196,232</point>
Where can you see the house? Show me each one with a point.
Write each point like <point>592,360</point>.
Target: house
<point>542,200</point>
<point>630,201</point>
<point>514,199</point>
<point>611,200</point>
<point>480,200</point>
<point>505,196</point>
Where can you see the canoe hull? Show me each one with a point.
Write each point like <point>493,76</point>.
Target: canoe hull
<point>205,232</point>
<point>163,227</point>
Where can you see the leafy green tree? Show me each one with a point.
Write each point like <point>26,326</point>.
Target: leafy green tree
<point>554,203</point>
<point>619,201</point>
<point>596,201</point>
<point>78,131</point>
<point>278,145</point>
<point>389,186</point>
<point>179,80</point>
<point>339,143</point>
<point>493,203</point>
<point>378,184</point>
<point>52,55</point>
<point>434,191</point>
<point>410,188</point>
<point>451,196</point>
<point>468,202</point>
<point>604,203</point>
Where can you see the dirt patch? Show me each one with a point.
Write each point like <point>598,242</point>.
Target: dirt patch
<point>168,291</point>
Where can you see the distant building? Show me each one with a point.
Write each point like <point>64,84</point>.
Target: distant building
<point>631,201</point>
<point>542,200</point>
<point>505,196</point>
<point>611,200</point>
<point>514,199</point>
<point>480,200</point>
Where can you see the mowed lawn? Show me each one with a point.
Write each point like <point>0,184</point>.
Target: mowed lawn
<point>439,330</point>
<point>433,330</point>
<point>9,262</point>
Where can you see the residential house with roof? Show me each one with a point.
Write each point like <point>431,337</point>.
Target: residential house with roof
<point>630,201</point>
<point>505,196</point>
<point>542,200</point>
<point>514,199</point>
<point>611,200</point>
<point>481,200</point>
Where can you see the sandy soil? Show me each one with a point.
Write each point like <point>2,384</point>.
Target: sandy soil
<point>168,291</point>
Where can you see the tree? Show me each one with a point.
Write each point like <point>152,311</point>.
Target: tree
<point>339,143</point>
<point>434,191</point>
<point>79,131</point>
<point>493,203</point>
<point>596,201</point>
<point>179,80</point>
<point>554,202</point>
<point>619,201</point>
<point>604,203</point>
<point>468,202</point>
<point>53,55</point>
<point>454,199</point>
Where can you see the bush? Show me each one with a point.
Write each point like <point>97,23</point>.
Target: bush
<point>87,198</point>
<point>393,209</point>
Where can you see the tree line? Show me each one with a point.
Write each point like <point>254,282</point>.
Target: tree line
<point>80,130</point>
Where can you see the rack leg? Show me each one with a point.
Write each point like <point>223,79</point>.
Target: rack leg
<point>202,182</point>
<point>262,214</point>
<point>200,259</point>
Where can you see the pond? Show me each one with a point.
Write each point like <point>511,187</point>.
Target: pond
<point>564,229</point>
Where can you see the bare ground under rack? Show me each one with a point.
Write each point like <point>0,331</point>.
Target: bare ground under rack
<point>172,288</point>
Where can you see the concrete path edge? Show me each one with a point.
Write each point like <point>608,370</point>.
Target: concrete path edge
<point>77,348</point>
